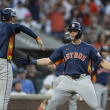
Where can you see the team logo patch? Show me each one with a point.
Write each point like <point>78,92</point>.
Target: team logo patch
<point>98,54</point>
<point>73,25</point>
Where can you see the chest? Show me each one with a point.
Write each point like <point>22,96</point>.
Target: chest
<point>76,53</point>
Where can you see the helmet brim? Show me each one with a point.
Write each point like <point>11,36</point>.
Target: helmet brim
<point>73,28</point>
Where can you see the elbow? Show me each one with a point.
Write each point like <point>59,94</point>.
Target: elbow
<point>48,62</point>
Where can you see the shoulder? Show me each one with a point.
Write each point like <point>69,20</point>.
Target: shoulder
<point>87,45</point>
<point>66,46</point>
<point>63,47</point>
<point>59,48</point>
<point>13,24</point>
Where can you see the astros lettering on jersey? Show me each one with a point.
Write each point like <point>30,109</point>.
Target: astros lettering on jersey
<point>77,57</point>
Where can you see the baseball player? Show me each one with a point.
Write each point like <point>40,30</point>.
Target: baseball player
<point>77,57</point>
<point>100,80</point>
<point>59,74</point>
<point>8,30</point>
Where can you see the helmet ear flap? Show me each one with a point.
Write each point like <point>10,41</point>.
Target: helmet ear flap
<point>78,35</point>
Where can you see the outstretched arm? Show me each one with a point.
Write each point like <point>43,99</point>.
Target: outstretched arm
<point>105,64</point>
<point>44,62</point>
<point>52,66</point>
<point>28,61</point>
<point>30,33</point>
<point>56,58</point>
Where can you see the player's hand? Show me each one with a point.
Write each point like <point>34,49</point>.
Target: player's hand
<point>41,43</point>
<point>24,61</point>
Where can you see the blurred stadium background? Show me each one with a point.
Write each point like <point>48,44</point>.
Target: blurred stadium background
<point>49,19</point>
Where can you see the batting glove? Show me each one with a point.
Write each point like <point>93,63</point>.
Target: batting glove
<point>24,61</point>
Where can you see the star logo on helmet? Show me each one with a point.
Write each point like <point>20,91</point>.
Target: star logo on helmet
<point>73,25</point>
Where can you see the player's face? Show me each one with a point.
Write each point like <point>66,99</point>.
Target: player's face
<point>73,33</point>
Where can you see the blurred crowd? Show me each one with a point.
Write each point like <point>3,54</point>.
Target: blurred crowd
<point>53,17</point>
<point>31,81</point>
<point>25,79</point>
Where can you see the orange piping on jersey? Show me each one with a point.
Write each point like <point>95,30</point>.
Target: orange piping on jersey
<point>89,67</point>
<point>94,78</point>
<point>63,72</point>
<point>10,47</point>
<point>60,61</point>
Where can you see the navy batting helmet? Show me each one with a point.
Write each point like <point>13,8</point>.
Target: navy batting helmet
<point>66,38</point>
<point>7,13</point>
<point>76,26</point>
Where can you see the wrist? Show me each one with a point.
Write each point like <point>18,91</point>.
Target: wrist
<point>33,62</point>
<point>38,38</point>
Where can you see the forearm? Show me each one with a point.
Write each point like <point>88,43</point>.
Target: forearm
<point>52,66</point>
<point>28,32</point>
<point>105,64</point>
<point>44,62</point>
